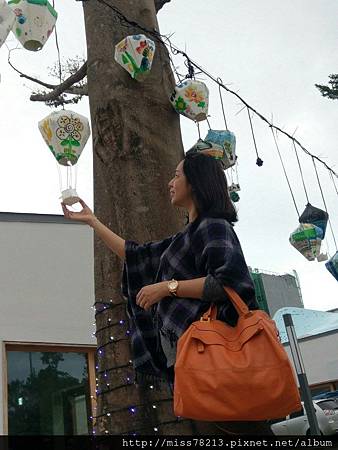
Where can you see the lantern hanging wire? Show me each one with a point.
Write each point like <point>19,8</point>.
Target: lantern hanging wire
<point>334,184</point>
<point>286,175</point>
<point>301,171</point>
<point>222,104</point>
<point>59,59</point>
<point>322,194</point>
<point>259,161</point>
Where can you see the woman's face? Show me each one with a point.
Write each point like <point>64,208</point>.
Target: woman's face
<point>180,189</point>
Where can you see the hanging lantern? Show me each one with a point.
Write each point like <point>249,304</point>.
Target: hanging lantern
<point>7,18</point>
<point>135,54</point>
<point>307,239</point>
<point>35,21</point>
<point>332,265</point>
<point>224,146</point>
<point>315,216</point>
<point>191,99</point>
<point>66,133</point>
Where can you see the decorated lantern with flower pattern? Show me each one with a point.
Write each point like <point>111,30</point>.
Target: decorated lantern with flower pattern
<point>135,54</point>
<point>191,99</point>
<point>307,239</point>
<point>66,133</point>
<point>35,21</point>
<point>332,265</point>
<point>7,18</point>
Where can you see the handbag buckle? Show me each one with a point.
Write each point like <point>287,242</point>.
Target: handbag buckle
<point>205,319</point>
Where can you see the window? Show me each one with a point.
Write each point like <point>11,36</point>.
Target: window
<point>328,405</point>
<point>297,414</point>
<point>48,391</point>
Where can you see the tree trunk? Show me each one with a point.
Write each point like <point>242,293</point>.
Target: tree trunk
<point>137,145</point>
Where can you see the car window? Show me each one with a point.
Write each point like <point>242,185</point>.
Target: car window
<point>297,414</point>
<point>328,404</point>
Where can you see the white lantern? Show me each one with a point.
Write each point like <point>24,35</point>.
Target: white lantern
<point>135,54</point>
<point>191,99</point>
<point>66,134</point>
<point>35,21</point>
<point>7,18</point>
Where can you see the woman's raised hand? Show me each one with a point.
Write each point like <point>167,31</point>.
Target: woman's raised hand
<point>86,215</point>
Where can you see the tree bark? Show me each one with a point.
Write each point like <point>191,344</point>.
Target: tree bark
<point>137,145</point>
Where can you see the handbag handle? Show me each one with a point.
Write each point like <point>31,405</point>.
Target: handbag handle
<point>241,307</point>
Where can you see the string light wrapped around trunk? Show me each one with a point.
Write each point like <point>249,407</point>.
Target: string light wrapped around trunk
<point>35,22</point>
<point>135,54</point>
<point>66,134</point>
<point>191,99</point>
<point>7,18</point>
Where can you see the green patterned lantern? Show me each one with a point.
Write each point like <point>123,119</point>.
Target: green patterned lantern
<point>35,22</point>
<point>307,239</point>
<point>7,19</point>
<point>66,134</point>
<point>135,54</point>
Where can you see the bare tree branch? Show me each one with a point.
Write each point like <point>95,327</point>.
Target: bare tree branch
<point>160,3</point>
<point>74,90</point>
<point>57,89</point>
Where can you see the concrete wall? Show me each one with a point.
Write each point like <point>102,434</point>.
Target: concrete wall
<point>280,291</point>
<point>47,283</point>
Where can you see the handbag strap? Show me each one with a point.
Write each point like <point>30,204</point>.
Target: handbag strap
<point>241,307</point>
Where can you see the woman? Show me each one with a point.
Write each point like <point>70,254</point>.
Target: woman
<point>170,283</point>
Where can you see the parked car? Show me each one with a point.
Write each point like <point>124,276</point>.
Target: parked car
<point>297,423</point>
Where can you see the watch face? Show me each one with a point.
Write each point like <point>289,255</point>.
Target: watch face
<point>173,284</point>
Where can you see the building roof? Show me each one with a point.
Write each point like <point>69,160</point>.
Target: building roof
<point>307,322</point>
<point>35,218</point>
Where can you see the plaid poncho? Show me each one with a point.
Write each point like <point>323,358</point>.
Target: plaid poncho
<point>207,246</point>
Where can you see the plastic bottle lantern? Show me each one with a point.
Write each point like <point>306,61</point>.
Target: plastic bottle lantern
<point>224,146</point>
<point>66,133</point>
<point>35,21</point>
<point>191,99</point>
<point>307,239</point>
<point>332,265</point>
<point>135,54</point>
<point>315,216</point>
<point>7,18</point>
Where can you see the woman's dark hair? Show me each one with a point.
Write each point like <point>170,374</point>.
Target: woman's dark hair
<point>209,186</point>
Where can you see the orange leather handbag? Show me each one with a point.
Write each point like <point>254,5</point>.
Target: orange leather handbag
<point>240,373</point>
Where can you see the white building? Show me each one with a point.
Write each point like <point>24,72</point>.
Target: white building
<point>47,366</point>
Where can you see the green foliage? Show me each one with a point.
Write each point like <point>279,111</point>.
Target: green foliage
<point>329,91</point>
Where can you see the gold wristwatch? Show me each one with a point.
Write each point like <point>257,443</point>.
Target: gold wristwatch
<point>172,287</point>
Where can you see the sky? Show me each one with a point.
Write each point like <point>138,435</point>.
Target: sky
<point>271,53</point>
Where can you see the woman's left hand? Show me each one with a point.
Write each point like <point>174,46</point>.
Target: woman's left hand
<point>151,294</point>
